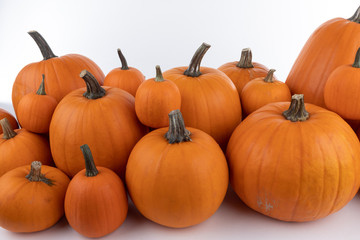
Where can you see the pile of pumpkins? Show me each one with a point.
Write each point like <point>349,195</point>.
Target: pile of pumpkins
<point>174,141</point>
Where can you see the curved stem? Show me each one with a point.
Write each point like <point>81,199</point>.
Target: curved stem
<point>269,76</point>
<point>41,90</point>
<point>177,132</point>
<point>93,88</point>
<point>159,77</point>
<point>194,67</point>
<point>35,174</point>
<point>356,16</point>
<point>42,44</point>
<point>124,65</point>
<point>356,63</point>
<point>91,169</point>
<point>296,111</point>
<point>8,131</point>
<point>245,59</point>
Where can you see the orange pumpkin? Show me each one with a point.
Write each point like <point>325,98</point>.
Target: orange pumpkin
<point>262,91</point>
<point>126,78</point>
<point>209,100</point>
<point>177,177</point>
<point>324,51</point>
<point>154,100</point>
<point>96,201</point>
<point>20,147</point>
<point>12,121</point>
<point>32,198</point>
<point>62,73</point>
<point>294,165</point>
<point>35,110</point>
<point>105,118</point>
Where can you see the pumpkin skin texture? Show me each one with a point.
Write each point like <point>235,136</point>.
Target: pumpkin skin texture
<point>35,110</point>
<point>125,78</point>
<point>155,98</point>
<point>32,205</point>
<point>62,73</point>
<point>331,45</point>
<point>176,182</point>
<point>262,91</point>
<point>96,201</point>
<point>294,171</point>
<point>243,71</point>
<point>20,147</point>
<point>106,122</point>
<point>209,99</point>
<point>10,118</point>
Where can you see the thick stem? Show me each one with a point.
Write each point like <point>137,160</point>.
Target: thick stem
<point>194,66</point>
<point>91,169</point>
<point>93,88</point>
<point>269,76</point>
<point>42,44</point>
<point>177,132</point>
<point>356,16</point>
<point>245,59</point>
<point>296,111</point>
<point>8,131</point>
<point>159,77</point>
<point>356,63</point>
<point>35,174</point>
<point>41,90</point>
<point>124,65</point>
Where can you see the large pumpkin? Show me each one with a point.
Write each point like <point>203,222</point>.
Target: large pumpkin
<point>331,45</point>
<point>62,73</point>
<point>209,99</point>
<point>294,165</point>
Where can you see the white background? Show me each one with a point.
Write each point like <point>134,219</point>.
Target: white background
<point>168,33</point>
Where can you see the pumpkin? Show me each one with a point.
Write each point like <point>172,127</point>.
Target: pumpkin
<point>126,78</point>
<point>209,100</point>
<point>62,73</point>
<point>177,177</point>
<point>95,201</point>
<point>243,71</point>
<point>32,197</point>
<point>12,121</point>
<point>323,52</point>
<point>35,110</point>
<point>264,90</point>
<point>342,89</point>
<point>105,118</point>
<point>20,147</point>
<point>155,98</point>
<point>294,163</point>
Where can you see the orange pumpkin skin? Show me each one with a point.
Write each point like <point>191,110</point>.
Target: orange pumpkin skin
<point>10,118</point>
<point>322,54</point>
<point>294,171</point>
<point>31,206</point>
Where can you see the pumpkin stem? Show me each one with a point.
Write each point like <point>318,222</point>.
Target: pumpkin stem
<point>91,170</point>
<point>159,77</point>
<point>296,111</point>
<point>42,44</point>
<point>269,76</point>
<point>177,132</point>
<point>41,90</point>
<point>8,131</point>
<point>194,67</point>
<point>93,88</point>
<point>245,59</point>
<point>35,174</point>
<point>124,65</point>
<point>356,63</point>
<point>356,16</point>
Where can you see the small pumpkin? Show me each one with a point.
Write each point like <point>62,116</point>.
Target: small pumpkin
<point>32,197</point>
<point>35,110</point>
<point>294,163</point>
<point>177,177</point>
<point>126,78</point>
<point>20,147</point>
<point>264,90</point>
<point>155,98</point>
<point>12,121</point>
<point>96,201</point>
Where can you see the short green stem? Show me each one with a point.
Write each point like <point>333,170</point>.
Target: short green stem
<point>93,88</point>
<point>356,16</point>
<point>41,90</point>
<point>124,65</point>
<point>159,77</point>
<point>269,77</point>
<point>356,63</point>
<point>91,170</point>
